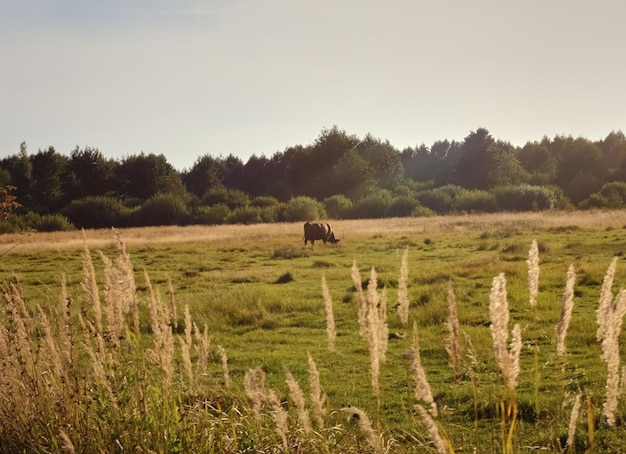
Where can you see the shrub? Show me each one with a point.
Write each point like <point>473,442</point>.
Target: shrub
<point>611,195</point>
<point>402,207</point>
<point>212,215</point>
<point>97,212</point>
<point>525,198</point>
<point>477,200</point>
<point>163,209</point>
<point>47,222</point>
<point>338,206</point>
<point>303,208</point>
<point>372,206</point>
<point>233,198</point>
<point>442,199</point>
<point>244,215</point>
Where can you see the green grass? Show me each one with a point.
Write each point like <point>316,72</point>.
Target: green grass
<point>238,289</point>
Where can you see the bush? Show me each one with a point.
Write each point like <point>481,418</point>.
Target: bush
<point>303,208</point>
<point>212,215</point>
<point>96,212</point>
<point>401,207</point>
<point>244,215</point>
<point>163,209</point>
<point>611,195</point>
<point>46,223</point>
<point>338,206</point>
<point>525,198</point>
<point>372,206</point>
<point>442,199</point>
<point>476,200</point>
<point>233,198</point>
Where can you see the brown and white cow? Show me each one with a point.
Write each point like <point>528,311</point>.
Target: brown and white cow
<point>319,231</point>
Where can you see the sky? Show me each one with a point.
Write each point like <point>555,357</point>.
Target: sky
<point>189,78</point>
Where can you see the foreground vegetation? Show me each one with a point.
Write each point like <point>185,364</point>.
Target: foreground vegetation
<point>239,339</point>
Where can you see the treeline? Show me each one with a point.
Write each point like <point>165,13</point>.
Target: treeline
<point>338,176</point>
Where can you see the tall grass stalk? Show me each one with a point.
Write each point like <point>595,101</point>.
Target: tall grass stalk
<point>403,297</point>
<point>374,439</point>
<point>532,264</point>
<point>507,360</point>
<point>318,398</point>
<point>331,332</point>
<point>452,342</point>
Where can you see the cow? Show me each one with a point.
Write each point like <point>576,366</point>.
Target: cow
<point>319,231</point>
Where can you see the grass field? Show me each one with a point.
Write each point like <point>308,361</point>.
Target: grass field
<point>259,293</point>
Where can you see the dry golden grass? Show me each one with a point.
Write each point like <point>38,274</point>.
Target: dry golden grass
<point>352,229</point>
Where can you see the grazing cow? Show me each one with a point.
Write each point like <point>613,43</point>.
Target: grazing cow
<point>319,231</point>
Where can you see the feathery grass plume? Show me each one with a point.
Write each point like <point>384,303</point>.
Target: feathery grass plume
<point>603,313</point>
<point>254,386</point>
<point>317,397</point>
<point>383,328</point>
<point>127,287</point>
<point>203,346</point>
<point>567,304</point>
<point>365,425</point>
<point>112,309</point>
<point>452,342</point>
<point>373,339</point>
<point>224,360</point>
<point>433,431</point>
<point>52,348</point>
<point>533,273</point>
<point>90,286</point>
<point>172,300</point>
<point>611,355</point>
<point>330,318</point>
<point>571,428</point>
<point>514,355</point>
<point>403,298</point>
<point>66,444</point>
<point>188,325</point>
<point>423,393</point>
<point>296,395</point>
<point>163,351</point>
<point>361,302</point>
<point>280,417</point>
<point>21,341</point>
<point>508,361</point>
<point>609,318</point>
<point>185,353</point>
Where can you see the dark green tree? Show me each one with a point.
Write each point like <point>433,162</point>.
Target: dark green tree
<point>88,173</point>
<point>383,161</point>
<point>142,176</point>
<point>538,161</point>
<point>47,186</point>
<point>474,162</point>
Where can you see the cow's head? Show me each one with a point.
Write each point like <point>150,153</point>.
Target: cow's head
<point>332,239</point>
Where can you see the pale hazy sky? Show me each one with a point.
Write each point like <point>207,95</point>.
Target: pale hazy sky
<point>186,78</point>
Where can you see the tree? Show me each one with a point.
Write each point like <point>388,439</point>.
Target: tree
<point>383,160</point>
<point>142,176</point>
<point>88,174</point>
<point>538,161</point>
<point>22,176</point>
<point>474,161</point>
<point>48,170</point>
<point>353,176</point>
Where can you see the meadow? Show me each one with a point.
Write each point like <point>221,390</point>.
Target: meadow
<point>240,339</point>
